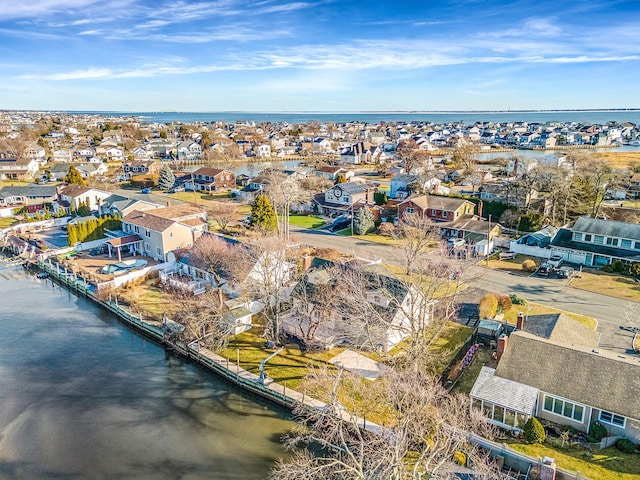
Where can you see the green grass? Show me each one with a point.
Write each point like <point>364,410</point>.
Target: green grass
<point>481,358</point>
<point>370,237</point>
<point>199,197</point>
<point>538,309</point>
<point>306,221</point>
<point>607,464</point>
<point>8,222</point>
<point>290,366</point>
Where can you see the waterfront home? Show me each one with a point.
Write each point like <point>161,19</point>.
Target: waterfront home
<point>163,230</point>
<point>568,381</point>
<point>207,179</point>
<point>320,316</point>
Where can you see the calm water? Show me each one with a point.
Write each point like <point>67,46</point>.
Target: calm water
<point>82,397</point>
<point>590,117</point>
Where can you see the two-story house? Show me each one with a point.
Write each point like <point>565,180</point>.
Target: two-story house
<point>12,169</point>
<point>189,150</point>
<point>595,242</point>
<point>344,198</point>
<point>331,172</point>
<point>210,179</point>
<point>141,167</point>
<point>163,230</point>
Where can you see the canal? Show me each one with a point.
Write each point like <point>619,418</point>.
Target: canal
<point>81,396</point>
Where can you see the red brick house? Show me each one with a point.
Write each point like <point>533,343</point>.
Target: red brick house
<point>211,179</point>
<point>436,208</point>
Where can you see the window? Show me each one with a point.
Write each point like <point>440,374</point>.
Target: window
<point>158,251</point>
<point>444,214</point>
<point>612,419</point>
<point>563,408</point>
<point>137,229</point>
<point>409,210</point>
<point>637,245</point>
<point>588,237</point>
<point>147,248</point>
<point>434,212</point>
<point>626,244</point>
<point>599,240</point>
<point>577,236</point>
<point>147,233</point>
<point>612,241</point>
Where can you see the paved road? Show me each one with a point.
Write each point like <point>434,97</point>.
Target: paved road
<point>609,311</point>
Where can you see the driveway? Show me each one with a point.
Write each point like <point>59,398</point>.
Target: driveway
<point>609,311</point>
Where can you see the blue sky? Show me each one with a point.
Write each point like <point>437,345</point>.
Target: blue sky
<point>325,55</point>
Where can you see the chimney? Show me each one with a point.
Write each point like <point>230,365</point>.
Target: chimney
<point>502,346</point>
<point>480,208</point>
<point>306,262</point>
<point>520,321</point>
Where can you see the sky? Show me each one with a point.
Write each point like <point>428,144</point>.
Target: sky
<point>318,55</point>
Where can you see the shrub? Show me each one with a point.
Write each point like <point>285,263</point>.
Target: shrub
<point>488,306</point>
<point>460,458</point>
<point>505,303</point>
<point>615,267</point>
<point>529,265</point>
<point>534,431</point>
<point>597,432</point>
<point>386,229</point>
<point>625,445</point>
<point>517,299</point>
<point>634,269</point>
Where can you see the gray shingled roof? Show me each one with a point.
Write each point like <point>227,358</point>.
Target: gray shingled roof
<point>561,328</point>
<point>28,191</point>
<point>504,392</point>
<point>610,228</point>
<point>603,380</point>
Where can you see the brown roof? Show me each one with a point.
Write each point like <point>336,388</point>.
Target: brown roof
<point>598,378</point>
<point>449,204</point>
<point>129,239</point>
<point>210,172</point>
<point>74,190</point>
<point>177,212</point>
<point>148,220</point>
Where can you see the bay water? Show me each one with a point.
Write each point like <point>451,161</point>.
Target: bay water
<point>84,397</point>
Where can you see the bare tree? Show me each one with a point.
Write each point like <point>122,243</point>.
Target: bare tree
<point>591,181</point>
<point>228,263</point>
<point>202,319</point>
<point>426,427</point>
<point>416,236</point>
<point>283,193</point>
<point>224,213</point>
<point>412,156</point>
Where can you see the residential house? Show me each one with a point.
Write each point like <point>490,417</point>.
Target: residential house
<point>436,208</point>
<point>58,171</point>
<point>344,198</point>
<point>331,172</point>
<point>140,167</point>
<point>211,179</point>
<point>595,242</point>
<point>13,169</point>
<point>32,196</point>
<point>398,306</point>
<point>121,205</point>
<point>163,230</point>
<point>263,151</point>
<point>472,228</point>
<point>564,378</point>
<point>73,196</point>
<point>189,150</point>
<point>399,185</point>
<point>62,155</point>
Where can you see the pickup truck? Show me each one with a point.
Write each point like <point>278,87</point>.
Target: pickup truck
<point>555,261</point>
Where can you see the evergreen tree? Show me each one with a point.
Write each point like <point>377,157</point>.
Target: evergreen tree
<point>363,222</point>
<point>72,234</point>
<point>263,215</point>
<point>166,178</point>
<point>340,178</point>
<point>74,177</point>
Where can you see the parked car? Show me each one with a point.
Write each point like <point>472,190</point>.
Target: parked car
<point>555,261</point>
<point>565,272</point>
<point>145,190</point>
<point>340,224</point>
<point>456,242</point>
<point>545,269</point>
<point>176,189</point>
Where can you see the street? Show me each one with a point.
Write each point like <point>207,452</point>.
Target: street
<point>609,311</point>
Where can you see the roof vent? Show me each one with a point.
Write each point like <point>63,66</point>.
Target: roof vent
<point>597,352</point>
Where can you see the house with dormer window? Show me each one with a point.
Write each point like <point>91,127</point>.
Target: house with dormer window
<point>344,198</point>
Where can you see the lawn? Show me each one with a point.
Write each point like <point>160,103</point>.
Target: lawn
<point>8,222</point>
<point>482,357</point>
<point>625,288</point>
<point>288,367</point>
<point>198,197</point>
<point>539,309</point>
<point>607,464</point>
<point>370,237</point>
<point>512,266</point>
<point>306,221</point>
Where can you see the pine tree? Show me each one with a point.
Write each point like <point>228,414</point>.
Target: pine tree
<point>263,215</point>
<point>74,177</point>
<point>166,178</point>
<point>340,178</point>
<point>363,222</point>
<point>72,234</point>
